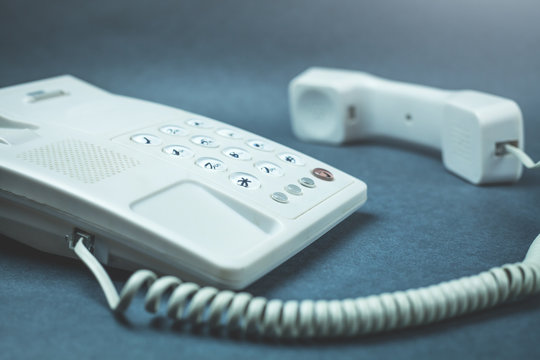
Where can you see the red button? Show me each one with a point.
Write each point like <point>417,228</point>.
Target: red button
<point>323,174</point>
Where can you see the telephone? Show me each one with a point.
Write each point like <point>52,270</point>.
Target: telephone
<point>128,183</point>
<point>154,186</point>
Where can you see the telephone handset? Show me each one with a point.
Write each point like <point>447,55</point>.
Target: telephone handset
<point>158,187</point>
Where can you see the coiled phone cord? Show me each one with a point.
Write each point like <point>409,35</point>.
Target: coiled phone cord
<point>240,311</point>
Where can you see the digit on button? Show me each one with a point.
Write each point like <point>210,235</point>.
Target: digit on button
<point>205,141</point>
<point>173,130</point>
<point>146,139</point>
<point>211,164</point>
<point>291,159</point>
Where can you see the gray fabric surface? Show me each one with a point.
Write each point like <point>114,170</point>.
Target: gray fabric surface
<point>232,60</point>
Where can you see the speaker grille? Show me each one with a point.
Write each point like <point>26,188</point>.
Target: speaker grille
<point>79,160</point>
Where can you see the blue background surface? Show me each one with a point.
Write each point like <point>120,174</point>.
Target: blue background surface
<point>232,60</point>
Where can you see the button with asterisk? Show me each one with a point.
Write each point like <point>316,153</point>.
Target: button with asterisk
<point>245,180</point>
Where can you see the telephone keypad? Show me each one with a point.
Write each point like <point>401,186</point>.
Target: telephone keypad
<point>226,155</point>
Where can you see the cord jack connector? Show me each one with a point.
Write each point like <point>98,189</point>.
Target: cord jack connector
<point>88,239</point>
<point>500,147</point>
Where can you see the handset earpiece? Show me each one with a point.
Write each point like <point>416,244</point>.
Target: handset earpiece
<point>469,127</point>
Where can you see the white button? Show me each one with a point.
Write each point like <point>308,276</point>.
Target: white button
<point>211,164</point>
<point>237,153</point>
<point>293,189</point>
<point>292,159</point>
<point>146,139</point>
<point>260,145</point>
<point>205,141</point>
<point>307,182</point>
<point>245,180</point>
<point>229,133</point>
<point>269,168</point>
<point>199,123</point>
<point>178,150</point>
<point>173,130</point>
<point>280,197</point>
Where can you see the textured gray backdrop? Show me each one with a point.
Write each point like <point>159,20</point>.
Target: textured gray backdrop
<point>232,60</point>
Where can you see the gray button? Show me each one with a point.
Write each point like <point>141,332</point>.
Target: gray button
<point>280,197</point>
<point>307,182</point>
<point>293,189</point>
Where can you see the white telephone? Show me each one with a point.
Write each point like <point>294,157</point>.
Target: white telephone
<point>156,186</point>
<point>131,183</point>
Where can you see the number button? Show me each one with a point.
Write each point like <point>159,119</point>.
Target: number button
<point>245,180</point>
<point>205,141</point>
<point>237,153</point>
<point>229,133</point>
<point>199,123</point>
<point>211,164</point>
<point>292,159</point>
<point>269,168</point>
<point>178,150</point>
<point>173,130</point>
<point>146,139</point>
<point>260,145</point>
